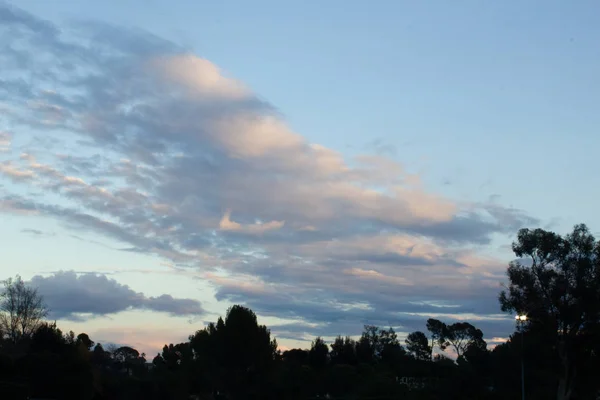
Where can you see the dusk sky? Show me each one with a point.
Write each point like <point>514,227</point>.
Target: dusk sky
<point>328,164</point>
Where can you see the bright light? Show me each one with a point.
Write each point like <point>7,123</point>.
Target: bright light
<point>521,317</point>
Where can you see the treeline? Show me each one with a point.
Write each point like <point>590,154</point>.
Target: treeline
<point>555,282</point>
<point>236,358</point>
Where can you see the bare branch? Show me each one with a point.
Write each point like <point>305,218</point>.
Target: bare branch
<point>22,309</point>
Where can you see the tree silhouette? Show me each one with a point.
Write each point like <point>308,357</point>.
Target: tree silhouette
<point>418,345</point>
<point>84,340</point>
<point>99,355</point>
<point>343,351</point>
<point>126,357</point>
<point>438,331</point>
<point>462,335</point>
<point>236,354</point>
<point>556,282</point>
<point>376,344</point>
<point>22,309</point>
<point>47,337</point>
<point>318,353</point>
<point>175,356</point>
<point>296,357</point>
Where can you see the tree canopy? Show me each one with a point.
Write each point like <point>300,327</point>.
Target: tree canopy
<point>556,283</point>
<point>22,309</point>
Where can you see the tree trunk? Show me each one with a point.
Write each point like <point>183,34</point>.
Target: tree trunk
<point>567,378</point>
<point>565,389</point>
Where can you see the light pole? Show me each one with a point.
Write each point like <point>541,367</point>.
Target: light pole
<point>521,319</point>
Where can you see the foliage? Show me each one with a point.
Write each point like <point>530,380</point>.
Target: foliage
<point>556,282</point>
<point>234,354</point>
<point>22,309</point>
<point>418,345</point>
<point>463,335</point>
<point>318,354</point>
<point>438,332</point>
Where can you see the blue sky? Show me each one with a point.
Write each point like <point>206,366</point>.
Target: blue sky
<point>485,112</point>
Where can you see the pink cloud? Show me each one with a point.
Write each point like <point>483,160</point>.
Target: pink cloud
<point>226,224</point>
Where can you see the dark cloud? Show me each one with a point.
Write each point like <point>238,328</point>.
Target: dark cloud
<point>77,296</point>
<point>34,232</point>
<point>163,153</point>
<point>13,16</point>
<point>335,313</point>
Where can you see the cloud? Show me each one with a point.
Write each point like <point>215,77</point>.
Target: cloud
<point>138,140</point>
<point>33,231</point>
<point>36,232</point>
<point>15,174</point>
<point>226,224</point>
<point>199,75</point>
<point>78,296</point>
<point>5,141</point>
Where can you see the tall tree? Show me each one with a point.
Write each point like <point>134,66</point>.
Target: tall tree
<point>236,353</point>
<point>47,337</point>
<point>343,350</point>
<point>318,353</point>
<point>99,355</point>
<point>556,282</point>
<point>462,335</point>
<point>177,355</point>
<point>296,357</point>
<point>126,357</point>
<point>418,345</point>
<point>438,331</point>
<point>376,344</point>
<point>84,340</point>
<point>390,350</point>
<point>22,309</point>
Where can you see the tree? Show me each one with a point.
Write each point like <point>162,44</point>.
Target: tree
<point>389,348</point>
<point>126,357</point>
<point>177,355</point>
<point>418,345</point>
<point>556,282</point>
<point>248,344</point>
<point>318,353</point>
<point>365,350</point>
<point>462,335</point>
<point>343,350</point>
<point>376,344</point>
<point>47,337</point>
<point>438,331</point>
<point>99,355</point>
<point>236,354</point>
<point>158,361</point>
<point>296,357</point>
<point>22,309</point>
<point>84,340</point>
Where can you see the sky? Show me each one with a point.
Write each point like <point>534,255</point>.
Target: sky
<point>327,164</point>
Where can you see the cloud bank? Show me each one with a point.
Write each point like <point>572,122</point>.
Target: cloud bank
<point>75,297</point>
<point>132,137</point>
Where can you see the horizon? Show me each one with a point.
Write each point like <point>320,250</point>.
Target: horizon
<point>325,166</point>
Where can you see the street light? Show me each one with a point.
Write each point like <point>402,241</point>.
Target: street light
<point>521,319</point>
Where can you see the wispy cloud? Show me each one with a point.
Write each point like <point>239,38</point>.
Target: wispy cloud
<point>36,232</point>
<point>5,141</point>
<point>197,169</point>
